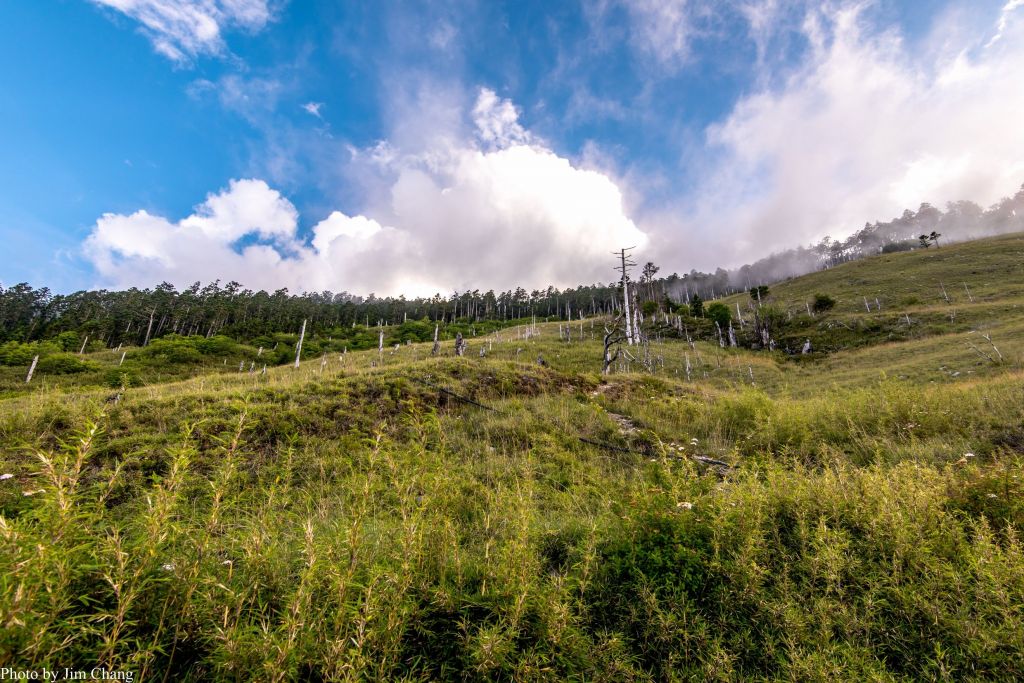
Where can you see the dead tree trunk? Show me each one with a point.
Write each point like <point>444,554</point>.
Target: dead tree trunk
<point>624,269</point>
<point>298,347</point>
<point>32,369</point>
<point>149,328</point>
<point>613,336</point>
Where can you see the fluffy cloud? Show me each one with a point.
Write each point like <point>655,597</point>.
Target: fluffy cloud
<point>184,29</point>
<point>140,247</point>
<point>867,125</point>
<point>497,120</point>
<point>499,210</point>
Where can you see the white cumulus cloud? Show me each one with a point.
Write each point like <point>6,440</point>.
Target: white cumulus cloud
<point>496,210</point>
<point>497,120</point>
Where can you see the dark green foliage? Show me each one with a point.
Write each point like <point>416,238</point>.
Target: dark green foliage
<point>132,317</point>
<point>668,553</point>
<point>696,306</point>
<point>68,341</point>
<point>822,303</point>
<point>662,560</point>
<point>649,308</point>
<point>759,292</point>
<point>719,313</point>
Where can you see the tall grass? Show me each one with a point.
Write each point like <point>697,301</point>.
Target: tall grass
<point>352,522</point>
<point>465,545</point>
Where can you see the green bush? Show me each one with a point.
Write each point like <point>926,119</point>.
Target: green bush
<point>64,364</point>
<point>719,313</point>
<point>16,353</point>
<point>822,303</point>
<point>660,565</point>
<point>19,353</point>
<point>218,345</point>
<point>172,350</point>
<point>68,341</point>
<point>115,378</point>
<point>665,552</point>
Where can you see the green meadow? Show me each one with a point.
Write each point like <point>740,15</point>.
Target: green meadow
<point>716,513</point>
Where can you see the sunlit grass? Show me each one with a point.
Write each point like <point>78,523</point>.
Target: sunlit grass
<point>348,520</point>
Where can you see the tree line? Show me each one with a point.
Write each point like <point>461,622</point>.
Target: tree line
<point>137,316</point>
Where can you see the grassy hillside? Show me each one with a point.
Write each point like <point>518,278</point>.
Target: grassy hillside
<point>848,515</point>
<point>949,289</point>
<point>992,268</point>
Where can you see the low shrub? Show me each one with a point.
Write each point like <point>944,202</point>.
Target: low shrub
<point>115,378</point>
<point>64,364</point>
<point>19,353</point>
<point>822,303</point>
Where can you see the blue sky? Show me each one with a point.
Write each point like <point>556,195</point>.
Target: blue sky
<point>420,147</point>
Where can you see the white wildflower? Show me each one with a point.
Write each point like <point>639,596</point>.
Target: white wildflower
<point>686,505</point>
<point>6,476</point>
<point>169,567</point>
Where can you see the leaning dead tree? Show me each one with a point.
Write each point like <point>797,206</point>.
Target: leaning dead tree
<point>32,369</point>
<point>298,347</point>
<point>995,357</point>
<point>614,335</point>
